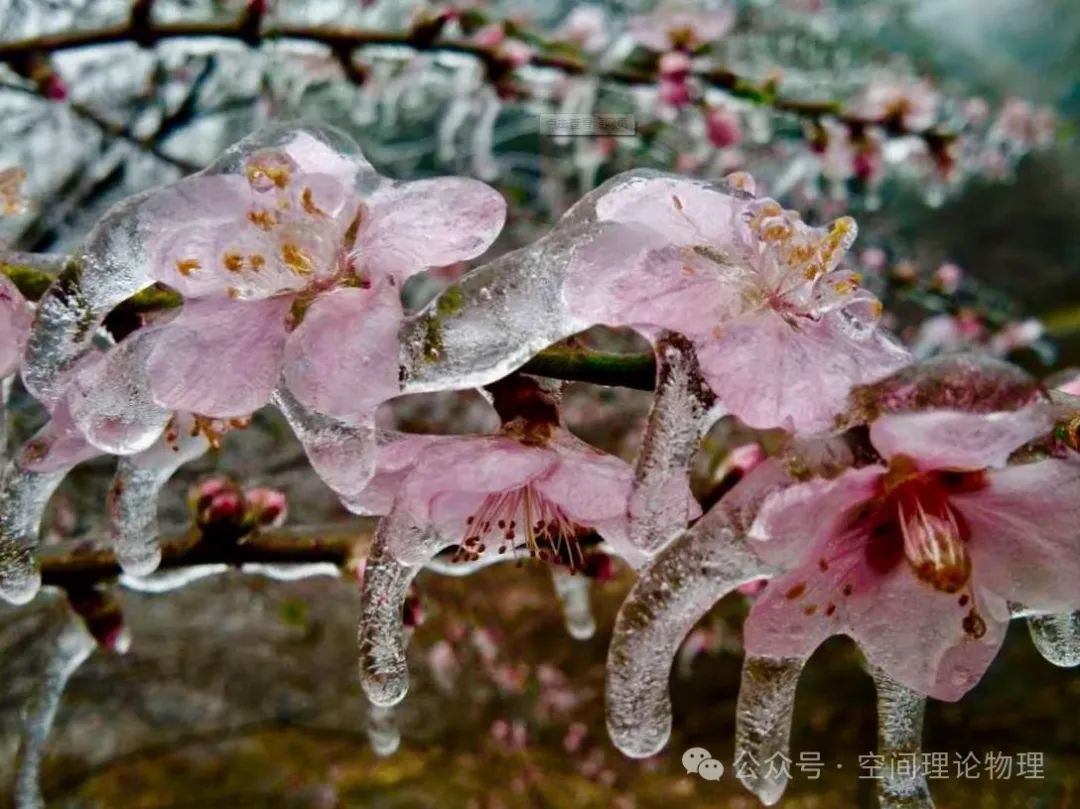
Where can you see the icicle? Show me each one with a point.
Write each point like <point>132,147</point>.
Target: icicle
<point>677,422</point>
<point>763,725</point>
<point>900,719</point>
<point>65,647</point>
<point>573,592</point>
<point>343,455</point>
<point>678,587</point>
<point>5,395</point>
<point>485,166</point>
<point>23,497</point>
<point>382,730</point>
<point>1057,637</point>
<point>384,673</point>
<point>133,497</point>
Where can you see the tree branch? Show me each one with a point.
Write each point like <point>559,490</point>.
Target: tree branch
<point>251,30</point>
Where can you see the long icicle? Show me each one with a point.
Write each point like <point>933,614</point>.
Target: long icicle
<point>23,497</point>
<point>133,497</point>
<point>382,730</point>
<point>66,645</point>
<point>900,724</point>
<point>384,672</point>
<point>763,725</point>
<point>677,422</point>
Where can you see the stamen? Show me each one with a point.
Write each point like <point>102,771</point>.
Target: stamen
<point>186,266</point>
<point>933,539</point>
<point>308,202</point>
<point>296,259</point>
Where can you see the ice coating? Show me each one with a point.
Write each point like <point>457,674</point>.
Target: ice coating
<point>763,718</point>
<point>677,588</point>
<point>900,724</point>
<point>384,672</point>
<point>678,419</point>
<point>23,497</point>
<point>133,497</point>
<point>15,318</point>
<point>64,647</point>
<point>572,590</point>
<point>382,730</point>
<point>1057,637</point>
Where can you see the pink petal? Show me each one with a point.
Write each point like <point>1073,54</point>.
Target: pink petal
<point>956,439</point>
<point>396,456</point>
<point>629,275</point>
<point>15,319</point>
<point>342,360</point>
<point>589,485</point>
<point>220,357</point>
<point>325,152</point>
<point>429,223</point>
<point>58,445</point>
<point>686,212</point>
<point>1025,533</point>
<point>772,373</point>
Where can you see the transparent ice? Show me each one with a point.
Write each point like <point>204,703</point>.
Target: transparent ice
<point>1057,637</point>
<point>572,590</point>
<point>900,721</point>
<point>763,724</point>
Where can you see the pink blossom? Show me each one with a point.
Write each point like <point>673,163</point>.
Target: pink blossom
<point>910,103</point>
<point>586,27</point>
<point>916,558</point>
<point>947,277</point>
<point>781,332</point>
<point>1015,336</point>
<point>266,507</point>
<point>15,319</point>
<point>1026,124</point>
<point>673,28</point>
<point>674,92</point>
<point>722,127</point>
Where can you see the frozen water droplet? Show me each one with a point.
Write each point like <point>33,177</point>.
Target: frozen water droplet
<point>65,645</point>
<point>573,593</point>
<point>133,497</point>
<point>382,730</point>
<point>23,497</point>
<point>659,499</point>
<point>384,673</point>
<point>763,724</point>
<point>1057,637</point>
<point>900,721</point>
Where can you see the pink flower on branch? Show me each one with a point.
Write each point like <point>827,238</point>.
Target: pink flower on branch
<point>673,27</point>
<point>917,558</point>
<point>15,319</point>
<point>781,331</point>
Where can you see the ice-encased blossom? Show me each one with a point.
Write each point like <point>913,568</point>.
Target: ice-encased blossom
<point>782,333</point>
<point>675,26</point>
<point>910,103</point>
<point>15,319</point>
<point>917,557</point>
<point>290,253</point>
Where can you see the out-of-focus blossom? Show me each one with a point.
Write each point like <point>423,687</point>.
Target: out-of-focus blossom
<point>1016,336</point>
<point>781,332</point>
<point>1026,124</point>
<point>910,103</point>
<point>947,278</point>
<point>11,180</point>
<point>586,27</point>
<point>15,319</point>
<point>673,27</point>
<point>266,507</point>
<point>917,558</point>
<point>722,127</point>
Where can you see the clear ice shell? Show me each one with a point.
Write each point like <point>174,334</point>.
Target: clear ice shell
<point>679,417</point>
<point>1057,637</point>
<point>65,646</point>
<point>679,586</point>
<point>382,730</point>
<point>133,497</point>
<point>763,725</point>
<point>23,497</point>
<point>572,590</point>
<point>384,671</point>
<point>900,721</point>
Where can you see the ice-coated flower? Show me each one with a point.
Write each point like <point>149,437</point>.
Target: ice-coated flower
<point>675,27</point>
<point>15,320</point>
<point>291,263</point>
<point>781,331</point>
<point>908,103</point>
<point>532,488</point>
<point>917,557</point>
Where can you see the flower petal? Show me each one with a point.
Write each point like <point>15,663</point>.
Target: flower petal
<point>589,485</point>
<point>58,445</point>
<point>774,373</point>
<point>396,456</point>
<point>956,439</point>
<point>1025,533</point>
<point>342,360</point>
<point>15,319</point>
<point>220,357</point>
<point>429,223</point>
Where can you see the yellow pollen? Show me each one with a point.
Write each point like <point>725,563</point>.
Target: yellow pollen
<point>296,259</point>
<point>187,266</point>
<point>257,262</point>
<point>234,262</point>
<point>233,292</point>
<point>278,175</point>
<point>309,203</point>
<point>264,218</point>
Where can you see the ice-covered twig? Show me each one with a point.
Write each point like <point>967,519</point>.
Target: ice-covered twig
<point>900,721</point>
<point>65,646</point>
<point>763,724</point>
<point>23,497</point>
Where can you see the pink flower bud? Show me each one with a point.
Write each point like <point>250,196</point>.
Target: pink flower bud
<point>722,127</point>
<point>490,36</point>
<point>266,507</point>
<point>674,92</point>
<point>675,65</point>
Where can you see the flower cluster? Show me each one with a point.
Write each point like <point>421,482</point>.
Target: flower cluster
<point>914,506</point>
